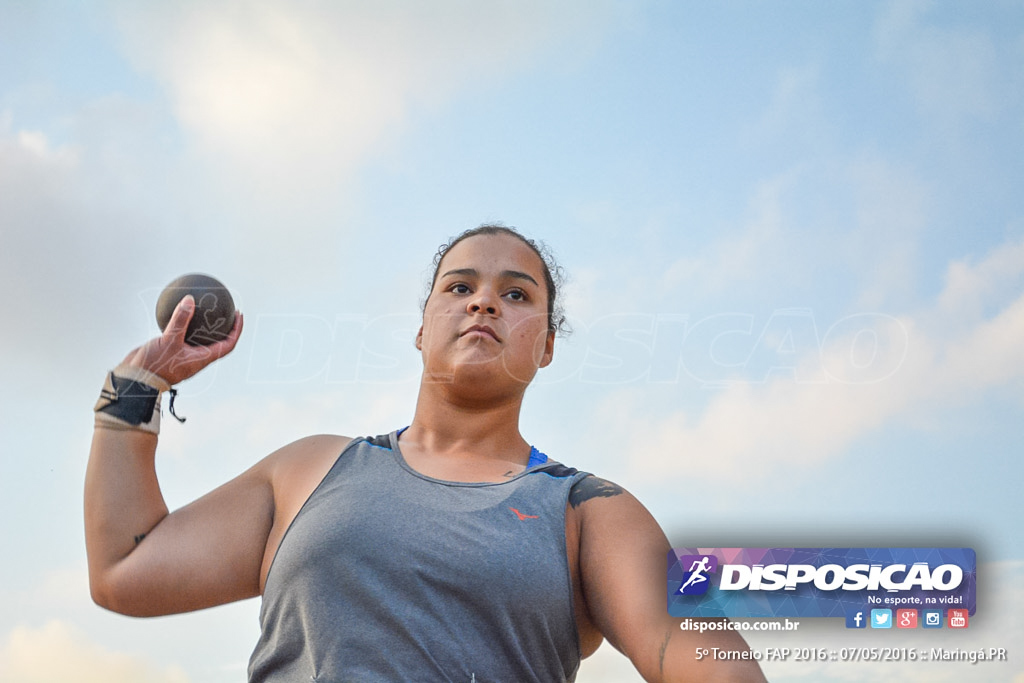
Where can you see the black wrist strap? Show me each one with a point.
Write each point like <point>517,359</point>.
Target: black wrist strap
<point>127,399</point>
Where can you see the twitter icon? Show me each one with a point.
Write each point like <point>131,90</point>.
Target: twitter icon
<point>881,618</point>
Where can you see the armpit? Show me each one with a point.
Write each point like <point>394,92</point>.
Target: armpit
<point>592,487</point>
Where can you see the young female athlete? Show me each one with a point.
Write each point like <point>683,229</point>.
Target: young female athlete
<point>448,551</point>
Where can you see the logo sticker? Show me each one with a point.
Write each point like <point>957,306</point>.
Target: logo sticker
<point>696,575</point>
<point>822,582</point>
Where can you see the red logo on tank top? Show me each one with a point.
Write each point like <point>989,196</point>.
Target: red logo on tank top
<point>522,517</point>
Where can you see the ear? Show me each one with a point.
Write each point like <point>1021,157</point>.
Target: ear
<point>419,339</point>
<point>549,350</point>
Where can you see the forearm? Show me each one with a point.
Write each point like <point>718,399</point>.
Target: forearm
<point>123,503</point>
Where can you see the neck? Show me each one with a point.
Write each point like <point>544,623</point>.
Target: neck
<point>488,429</point>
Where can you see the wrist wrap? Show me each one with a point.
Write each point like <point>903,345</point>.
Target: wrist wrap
<point>130,399</point>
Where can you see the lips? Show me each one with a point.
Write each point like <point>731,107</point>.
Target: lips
<point>480,329</point>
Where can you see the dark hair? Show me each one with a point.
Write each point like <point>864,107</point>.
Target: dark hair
<point>554,276</point>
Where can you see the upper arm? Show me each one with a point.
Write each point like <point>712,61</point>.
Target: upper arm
<point>212,551</point>
<point>204,554</point>
<point>623,584</point>
<point>623,568</point>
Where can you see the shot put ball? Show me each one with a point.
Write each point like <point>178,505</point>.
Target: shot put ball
<point>215,310</point>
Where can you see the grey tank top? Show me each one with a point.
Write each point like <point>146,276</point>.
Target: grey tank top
<point>389,575</point>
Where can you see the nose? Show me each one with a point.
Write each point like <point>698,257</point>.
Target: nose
<point>483,302</point>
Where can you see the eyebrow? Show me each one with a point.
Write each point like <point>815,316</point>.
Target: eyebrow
<point>472,272</point>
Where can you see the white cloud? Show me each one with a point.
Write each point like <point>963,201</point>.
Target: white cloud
<point>36,237</point>
<point>742,257</point>
<point>873,369</point>
<point>36,145</point>
<point>970,287</point>
<point>785,234</point>
<point>288,96</point>
<point>276,104</point>
<point>30,160</point>
<point>64,249</point>
<point>59,652</point>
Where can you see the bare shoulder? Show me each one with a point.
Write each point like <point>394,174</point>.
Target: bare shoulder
<point>610,518</point>
<point>301,451</point>
<point>295,471</point>
<point>594,501</point>
<point>592,487</point>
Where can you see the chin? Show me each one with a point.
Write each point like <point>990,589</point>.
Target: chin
<point>488,379</point>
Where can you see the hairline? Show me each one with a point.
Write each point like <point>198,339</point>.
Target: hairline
<point>550,268</point>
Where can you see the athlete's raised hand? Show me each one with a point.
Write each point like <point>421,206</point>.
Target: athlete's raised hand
<point>170,357</point>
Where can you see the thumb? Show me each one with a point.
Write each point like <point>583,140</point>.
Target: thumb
<point>179,321</point>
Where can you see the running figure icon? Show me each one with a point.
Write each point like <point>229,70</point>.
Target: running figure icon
<point>697,573</point>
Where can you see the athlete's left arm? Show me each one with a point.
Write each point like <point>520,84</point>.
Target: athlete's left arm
<point>623,569</point>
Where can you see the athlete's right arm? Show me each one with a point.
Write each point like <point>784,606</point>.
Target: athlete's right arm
<point>144,561</point>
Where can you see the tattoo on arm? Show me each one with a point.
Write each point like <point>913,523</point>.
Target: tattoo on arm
<point>592,487</point>
<point>661,652</point>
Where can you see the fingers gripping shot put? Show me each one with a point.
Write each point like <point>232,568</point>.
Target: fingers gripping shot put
<point>215,309</point>
<point>447,550</point>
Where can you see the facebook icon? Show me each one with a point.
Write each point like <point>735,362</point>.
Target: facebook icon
<point>856,619</point>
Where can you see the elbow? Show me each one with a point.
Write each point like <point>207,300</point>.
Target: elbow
<point>103,594</point>
<point>107,594</point>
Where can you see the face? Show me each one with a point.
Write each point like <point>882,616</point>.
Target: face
<point>486,317</point>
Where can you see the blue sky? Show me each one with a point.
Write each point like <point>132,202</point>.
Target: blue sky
<point>794,234</point>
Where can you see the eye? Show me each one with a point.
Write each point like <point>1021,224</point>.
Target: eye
<point>516,295</point>
<point>459,288</point>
